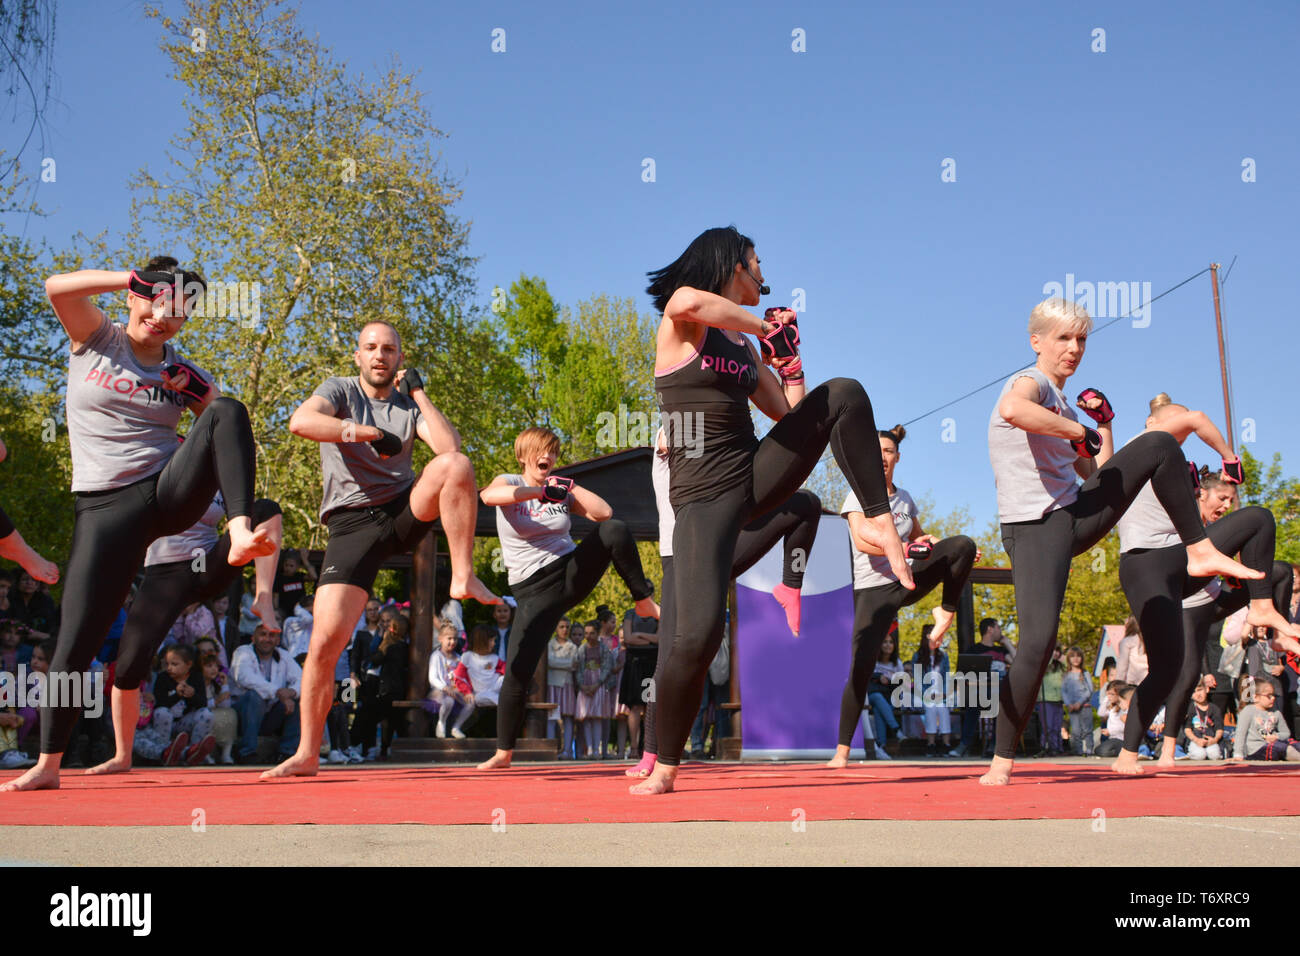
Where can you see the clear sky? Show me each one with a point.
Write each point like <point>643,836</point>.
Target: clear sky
<point>1115,166</point>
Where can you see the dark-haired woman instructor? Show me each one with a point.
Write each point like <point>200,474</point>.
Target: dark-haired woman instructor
<point>134,482</point>
<point>722,476</point>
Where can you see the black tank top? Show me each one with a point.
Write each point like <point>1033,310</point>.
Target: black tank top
<point>705,406</point>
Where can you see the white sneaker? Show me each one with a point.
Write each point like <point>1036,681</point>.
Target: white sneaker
<point>441,731</point>
<point>458,733</point>
<point>372,754</point>
<point>882,754</point>
<point>15,760</point>
<point>354,757</point>
<point>337,756</point>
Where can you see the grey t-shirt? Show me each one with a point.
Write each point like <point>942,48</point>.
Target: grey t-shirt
<point>872,570</point>
<point>121,421</point>
<point>533,534</point>
<point>1034,473</point>
<point>1146,524</point>
<point>1205,595</point>
<point>200,536</point>
<point>667,518</point>
<point>354,473</point>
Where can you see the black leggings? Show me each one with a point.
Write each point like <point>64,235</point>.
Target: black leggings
<point>795,522</point>
<point>6,526</point>
<point>545,597</point>
<point>1040,553</point>
<point>1196,632</point>
<point>837,412</point>
<point>1155,582</point>
<point>113,530</point>
<point>165,591</point>
<point>874,609</point>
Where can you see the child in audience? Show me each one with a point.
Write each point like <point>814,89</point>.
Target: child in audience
<point>1262,734</point>
<point>180,712</point>
<point>1076,698</point>
<point>225,722</point>
<point>480,669</point>
<point>1204,726</point>
<point>1114,710</point>
<point>561,663</point>
<point>442,683</point>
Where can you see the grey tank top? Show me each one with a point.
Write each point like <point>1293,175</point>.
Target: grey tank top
<point>355,475</point>
<point>199,538</point>
<point>667,517</point>
<point>533,534</point>
<point>872,570</point>
<point>1146,524</point>
<point>121,421</point>
<point>1034,473</point>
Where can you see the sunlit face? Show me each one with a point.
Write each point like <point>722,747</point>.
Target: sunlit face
<point>889,455</point>
<point>1215,502</point>
<point>152,323</point>
<point>447,641</point>
<point>264,641</point>
<point>539,464</point>
<point>1060,350</point>
<point>378,355</point>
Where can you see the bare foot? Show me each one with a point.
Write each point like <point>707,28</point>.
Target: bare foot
<point>647,607</point>
<point>472,589</point>
<point>661,781</point>
<point>247,545</point>
<point>643,768</point>
<point>114,765</point>
<point>38,778</point>
<point>1262,613</point>
<point>1127,764</point>
<point>498,761</point>
<point>942,621</point>
<point>790,599</point>
<point>882,533</point>
<point>41,569</point>
<point>999,772</point>
<point>265,610</point>
<point>1204,560</point>
<point>1166,761</point>
<point>299,765</point>
<point>840,760</point>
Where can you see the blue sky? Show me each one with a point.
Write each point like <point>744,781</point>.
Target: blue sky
<point>1122,166</point>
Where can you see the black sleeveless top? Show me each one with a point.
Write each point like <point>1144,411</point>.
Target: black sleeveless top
<point>705,408</point>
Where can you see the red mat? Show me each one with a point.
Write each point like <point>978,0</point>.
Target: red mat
<point>598,794</point>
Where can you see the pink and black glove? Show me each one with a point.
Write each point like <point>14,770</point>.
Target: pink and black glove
<point>1234,471</point>
<point>1089,446</point>
<point>197,388</point>
<point>1103,413</point>
<point>919,550</point>
<point>782,341</point>
<point>557,488</point>
<point>387,444</point>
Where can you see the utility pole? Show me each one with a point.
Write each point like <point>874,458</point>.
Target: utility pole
<point>1223,364</point>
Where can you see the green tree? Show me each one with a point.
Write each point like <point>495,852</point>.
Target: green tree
<point>1280,494</point>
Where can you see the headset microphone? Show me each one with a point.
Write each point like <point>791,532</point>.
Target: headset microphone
<point>762,289</point>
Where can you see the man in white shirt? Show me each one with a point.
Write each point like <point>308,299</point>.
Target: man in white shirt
<point>264,688</point>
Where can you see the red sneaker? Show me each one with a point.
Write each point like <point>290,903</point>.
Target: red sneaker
<point>199,752</point>
<point>172,755</point>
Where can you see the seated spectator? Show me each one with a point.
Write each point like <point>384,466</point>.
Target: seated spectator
<point>265,684</point>
<point>10,648</point>
<point>296,637</point>
<point>1150,745</point>
<point>480,669</point>
<point>1076,697</point>
<point>225,722</point>
<point>1204,726</point>
<point>880,690</point>
<point>934,691</point>
<point>561,688</point>
<point>1262,734</point>
<point>180,713</point>
<point>32,607</point>
<point>443,692</point>
<point>1113,710</point>
<point>392,662</point>
<point>208,645</point>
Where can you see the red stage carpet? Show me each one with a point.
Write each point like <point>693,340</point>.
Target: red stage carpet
<point>598,794</point>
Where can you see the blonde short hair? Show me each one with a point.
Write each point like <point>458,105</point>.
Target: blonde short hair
<point>1052,312</point>
<point>533,441</point>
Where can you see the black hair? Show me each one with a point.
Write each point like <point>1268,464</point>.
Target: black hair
<point>183,651</point>
<point>169,264</point>
<point>987,623</point>
<point>707,264</point>
<point>895,434</point>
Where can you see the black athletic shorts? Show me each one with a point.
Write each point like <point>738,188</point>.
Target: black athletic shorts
<point>362,539</point>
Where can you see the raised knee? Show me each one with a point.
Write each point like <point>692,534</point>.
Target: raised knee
<point>614,529</point>
<point>264,509</point>
<point>226,406</point>
<point>806,503</point>
<point>847,390</point>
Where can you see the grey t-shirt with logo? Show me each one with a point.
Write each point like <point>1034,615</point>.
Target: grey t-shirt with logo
<point>872,570</point>
<point>200,537</point>
<point>533,533</point>
<point>355,475</point>
<point>121,421</point>
<point>1034,473</point>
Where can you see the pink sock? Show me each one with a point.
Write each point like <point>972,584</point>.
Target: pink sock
<point>788,598</point>
<point>644,768</point>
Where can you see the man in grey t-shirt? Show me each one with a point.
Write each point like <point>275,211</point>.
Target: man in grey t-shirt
<point>376,506</point>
